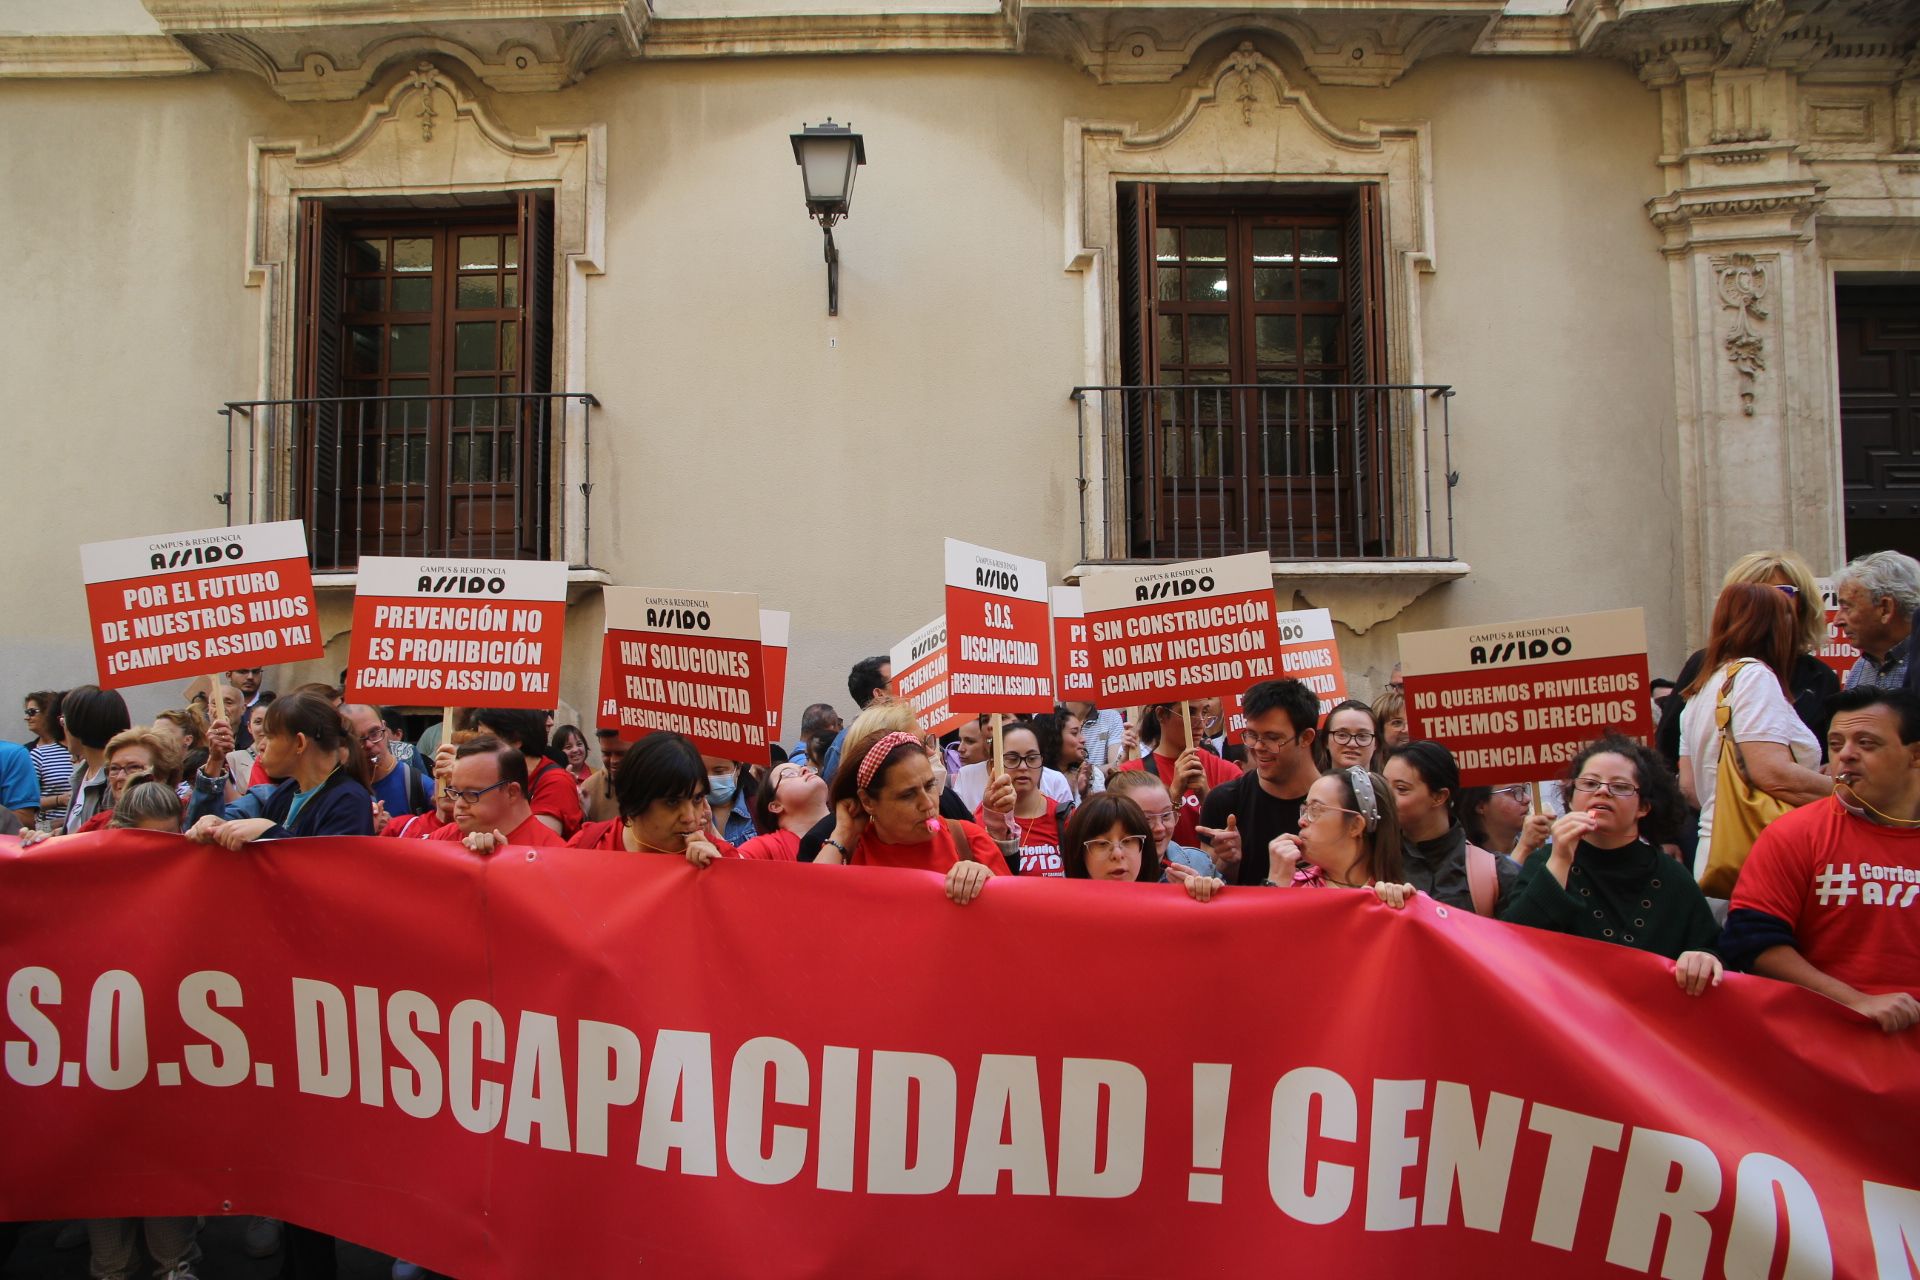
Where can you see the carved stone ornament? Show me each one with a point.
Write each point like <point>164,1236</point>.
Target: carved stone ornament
<point>1743,286</point>
<point>425,79</point>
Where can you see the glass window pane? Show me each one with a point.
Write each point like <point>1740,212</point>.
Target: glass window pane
<point>366,295</point>
<point>1206,340</point>
<point>1166,244</point>
<point>1320,339</point>
<point>366,255</point>
<point>509,345</point>
<point>415,415</point>
<point>1320,284</point>
<point>510,289</point>
<point>510,255</point>
<point>363,348</point>
<point>413,254</point>
<point>1206,244</point>
<point>1274,340</point>
<point>1319,246</point>
<point>473,345</point>
<point>478,291</point>
<point>407,348</point>
<point>475,413</point>
<point>479,251</point>
<point>413,294</point>
<point>1206,284</point>
<point>1273,245</point>
<point>1171,348</point>
<point>460,455</point>
<point>1273,284</point>
<point>1169,290</point>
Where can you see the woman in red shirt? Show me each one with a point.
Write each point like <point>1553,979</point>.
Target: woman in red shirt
<point>886,805</point>
<point>787,805</point>
<point>661,786</point>
<point>1035,826</point>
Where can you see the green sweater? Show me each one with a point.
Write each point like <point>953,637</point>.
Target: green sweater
<point>1636,896</point>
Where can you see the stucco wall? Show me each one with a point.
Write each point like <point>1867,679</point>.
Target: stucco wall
<point>746,440</point>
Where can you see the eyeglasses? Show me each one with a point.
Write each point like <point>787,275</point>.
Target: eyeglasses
<point>1352,737</point>
<point>123,770</point>
<point>787,772</point>
<point>1102,847</point>
<point>374,735</point>
<point>1313,811</point>
<point>1031,760</point>
<point>1267,741</point>
<point>1518,792</point>
<point>1593,786</point>
<point>469,796</point>
<point>1159,817</point>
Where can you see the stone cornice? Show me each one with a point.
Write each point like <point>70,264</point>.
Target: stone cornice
<point>94,56</point>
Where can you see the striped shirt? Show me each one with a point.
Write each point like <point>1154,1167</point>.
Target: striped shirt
<point>54,764</point>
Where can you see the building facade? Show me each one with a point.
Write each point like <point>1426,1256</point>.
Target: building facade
<point>1461,313</point>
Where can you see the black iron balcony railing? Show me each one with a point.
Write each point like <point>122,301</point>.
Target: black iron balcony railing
<point>475,476</point>
<point>1301,472</point>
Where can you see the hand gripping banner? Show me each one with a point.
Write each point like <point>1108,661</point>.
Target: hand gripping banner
<point>591,1063</point>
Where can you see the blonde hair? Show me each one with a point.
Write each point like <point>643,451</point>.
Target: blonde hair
<point>191,724</point>
<point>883,717</point>
<point>1810,611</point>
<point>1390,705</point>
<point>146,802</point>
<point>166,760</point>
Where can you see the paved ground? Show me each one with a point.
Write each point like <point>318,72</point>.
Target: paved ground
<point>35,1257</point>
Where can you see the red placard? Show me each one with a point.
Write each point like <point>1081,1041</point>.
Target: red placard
<point>189,604</point>
<point>1515,702</point>
<point>1170,632</point>
<point>1308,653</point>
<point>686,662</point>
<point>999,643</point>
<point>1073,652</point>
<point>556,1036</point>
<point>774,625</point>
<point>458,633</point>
<point>1838,652</point>
<point>920,677</point>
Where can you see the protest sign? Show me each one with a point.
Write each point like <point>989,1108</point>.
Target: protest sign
<point>920,677</point>
<point>1836,651</point>
<point>999,643</point>
<point>774,625</point>
<point>558,1036</point>
<point>444,633</point>
<point>686,662</point>
<point>1309,654</point>
<point>188,604</point>
<point>1516,701</point>
<point>1165,633</point>
<point>1072,647</point>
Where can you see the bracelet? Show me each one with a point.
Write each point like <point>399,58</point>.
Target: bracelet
<point>844,852</point>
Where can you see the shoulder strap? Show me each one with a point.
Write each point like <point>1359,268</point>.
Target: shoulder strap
<point>416,795</point>
<point>1483,879</point>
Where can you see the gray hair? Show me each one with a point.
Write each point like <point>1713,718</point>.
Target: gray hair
<point>145,800</point>
<point>1885,575</point>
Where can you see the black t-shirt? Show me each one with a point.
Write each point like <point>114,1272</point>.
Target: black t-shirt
<point>951,807</point>
<point>1260,816</point>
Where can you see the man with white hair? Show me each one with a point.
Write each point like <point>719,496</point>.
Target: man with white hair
<point>1877,595</point>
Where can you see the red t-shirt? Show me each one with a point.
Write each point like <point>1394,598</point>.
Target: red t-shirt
<point>532,831</point>
<point>1039,841</point>
<point>1849,888</point>
<point>936,855</point>
<point>609,835</point>
<point>775,846</point>
<point>1188,806</point>
<point>553,792</point>
<point>412,826</point>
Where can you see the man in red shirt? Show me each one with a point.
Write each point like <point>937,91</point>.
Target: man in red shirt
<point>1830,896</point>
<point>551,790</point>
<point>489,793</point>
<point>1189,772</point>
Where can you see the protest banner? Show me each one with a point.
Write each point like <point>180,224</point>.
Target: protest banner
<point>1072,647</point>
<point>445,633</point>
<point>920,677</point>
<point>1167,633</point>
<point>1309,654</point>
<point>999,642</point>
<point>774,626</point>
<point>188,604</point>
<point>596,1066</point>
<point>686,662</point>
<point>1516,701</point>
<point>1837,651</point>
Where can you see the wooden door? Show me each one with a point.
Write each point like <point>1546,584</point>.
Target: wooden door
<point>1879,357</point>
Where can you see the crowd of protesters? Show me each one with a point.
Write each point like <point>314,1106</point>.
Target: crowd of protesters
<point>1617,851</point>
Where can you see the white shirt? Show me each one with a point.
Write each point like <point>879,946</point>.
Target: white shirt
<point>1101,736</point>
<point>970,784</point>
<point>1761,713</point>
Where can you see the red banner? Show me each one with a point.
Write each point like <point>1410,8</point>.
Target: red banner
<point>1516,701</point>
<point>920,677</point>
<point>1165,633</point>
<point>1073,650</point>
<point>587,1062</point>
<point>1837,652</point>
<point>999,643</point>
<point>188,604</point>
<point>774,626</point>
<point>1308,653</point>
<point>458,633</point>
<point>686,662</point>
